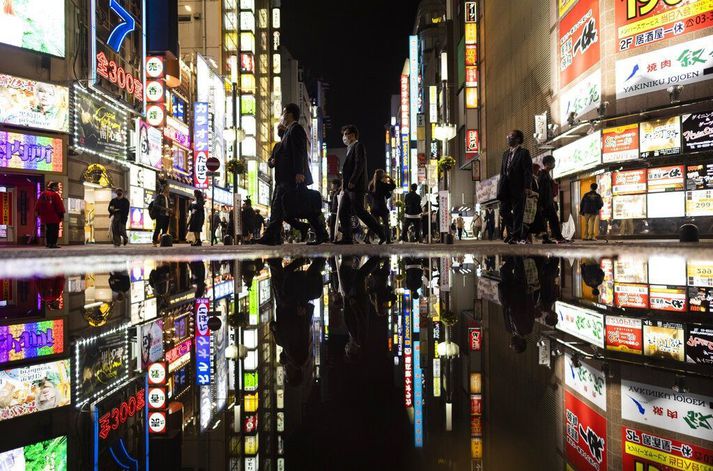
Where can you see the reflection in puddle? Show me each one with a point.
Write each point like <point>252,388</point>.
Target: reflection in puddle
<point>356,362</point>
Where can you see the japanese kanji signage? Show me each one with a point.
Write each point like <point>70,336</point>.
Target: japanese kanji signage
<point>586,380</point>
<point>118,48</point>
<point>585,435</point>
<point>641,22</point>
<point>204,356</point>
<point>201,144</point>
<point>641,448</point>
<point>680,64</point>
<point>408,351</point>
<point>685,413</point>
<point>579,40</point>
<point>620,143</point>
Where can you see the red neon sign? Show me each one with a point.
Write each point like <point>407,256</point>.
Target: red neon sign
<point>119,415</point>
<point>119,77</point>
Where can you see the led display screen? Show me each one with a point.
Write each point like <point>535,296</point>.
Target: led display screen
<point>37,25</point>
<point>29,389</point>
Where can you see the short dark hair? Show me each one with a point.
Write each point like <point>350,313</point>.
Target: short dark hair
<point>519,134</point>
<point>351,129</point>
<point>337,182</point>
<point>548,159</point>
<point>593,186</point>
<point>294,110</point>
<point>414,187</point>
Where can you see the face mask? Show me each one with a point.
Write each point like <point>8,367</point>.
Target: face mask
<point>345,139</point>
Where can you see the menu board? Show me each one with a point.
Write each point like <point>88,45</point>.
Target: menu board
<point>699,345</point>
<point>584,324</point>
<point>699,177</point>
<point>630,207</point>
<point>636,296</point>
<point>700,273</point>
<point>699,203</point>
<point>36,388</point>
<point>666,179</point>
<point>620,143</point>
<point>697,130</point>
<point>667,298</point>
<point>624,334</point>
<point>606,289</point>
<point>660,137</point>
<point>631,270</point>
<point>700,299</point>
<point>604,189</point>
<point>629,182</point>
<point>666,205</point>
<point>664,340</point>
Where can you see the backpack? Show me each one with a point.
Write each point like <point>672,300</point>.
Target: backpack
<point>153,210</point>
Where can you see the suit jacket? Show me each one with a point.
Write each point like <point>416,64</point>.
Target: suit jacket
<point>354,169</point>
<point>519,178</point>
<point>291,157</point>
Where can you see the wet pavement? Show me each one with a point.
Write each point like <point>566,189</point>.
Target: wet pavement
<point>469,357</point>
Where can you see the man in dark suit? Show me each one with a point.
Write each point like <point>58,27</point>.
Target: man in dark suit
<point>355,185</point>
<point>515,180</point>
<point>291,165</point>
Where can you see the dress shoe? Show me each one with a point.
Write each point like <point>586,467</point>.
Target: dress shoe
<point>267,241</point>
<point>318,241</point>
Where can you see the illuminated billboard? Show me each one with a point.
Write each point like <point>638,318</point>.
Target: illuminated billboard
<point>33,104</point>
<point>31,340</point>
<point>44,455</point>
<point>37,25</point>
<point>36,388</point>
<point>31,152</point>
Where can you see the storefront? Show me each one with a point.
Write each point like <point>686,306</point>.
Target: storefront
<point>28,158</point>
<point>653,176</point>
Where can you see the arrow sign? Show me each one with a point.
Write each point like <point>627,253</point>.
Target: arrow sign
<point>126,26</point>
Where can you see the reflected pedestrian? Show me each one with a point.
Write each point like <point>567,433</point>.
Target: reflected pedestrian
<point>119,212</point>
<point>50,210</point>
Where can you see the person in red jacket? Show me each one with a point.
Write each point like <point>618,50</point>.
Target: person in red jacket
<point>50,209</point>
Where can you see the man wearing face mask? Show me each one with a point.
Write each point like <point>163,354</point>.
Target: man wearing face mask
<point>291,165</point>
<point>355,183</point>
<point>515,180</point>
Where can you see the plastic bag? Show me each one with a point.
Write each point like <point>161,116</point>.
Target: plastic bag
<point>568,228</point>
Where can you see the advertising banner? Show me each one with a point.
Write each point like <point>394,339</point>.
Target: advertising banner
<point>646,451</point>
<point>31,152</point>
<point>589,382</point>
<point>31,340</point>
<point>681,64</point>
<point>29,389</point>
<point>639,23</point>
<point>36,25</point>
<point>579,40</point>
<point>585,435</point>
<point>700,273</point>
<point>624,334</point>
<point>33,104</point>
<point>667,298</point>
<point>700,299</point>
<point>620,143</point>
<point>699,345</point>
<point>201,145</point>
<point>699,203</point>
<point>582,323</point>
<point>666,179</point>
<point>487,190</point>
<point>686,413</point>
<point>578,156</point>
<point>634,296</point>
<point>697,129</point>
<point>204,357</point>
<point>664,340</point>
<point>103,362</point>
<point>99,128</point>
<point>120,428</point>
<point>660,137</point>
<point>179,355</point>
<point>149,149</point>
<point>629,182</point>
<point>48,454</point>
<point>604,189</point>
<point>699,177</point>
<point>629,206</point>
<point>583,97</point>
<point>150,337</point>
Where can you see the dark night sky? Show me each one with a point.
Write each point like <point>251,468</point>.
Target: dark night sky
<point>358,47</point>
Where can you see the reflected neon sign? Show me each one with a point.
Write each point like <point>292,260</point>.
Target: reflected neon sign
<point>31,340</point>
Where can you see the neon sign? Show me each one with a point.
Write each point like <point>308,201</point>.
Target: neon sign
<point>31,340</point>
<point>201,145</point>
<point>127,25</point>
<point>203,353</point>
<point>120,414</point>
<point>31,152</point>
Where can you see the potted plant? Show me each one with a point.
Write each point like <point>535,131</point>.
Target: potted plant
<point>237,166</point>
<point>446,163</point>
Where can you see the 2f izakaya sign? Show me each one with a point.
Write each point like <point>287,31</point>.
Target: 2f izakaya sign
<point>118,50</point>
